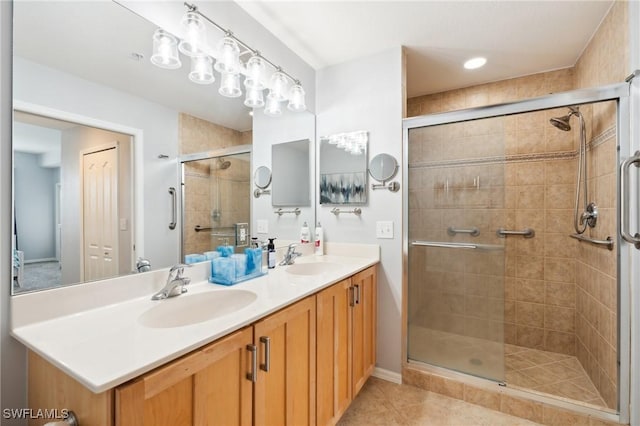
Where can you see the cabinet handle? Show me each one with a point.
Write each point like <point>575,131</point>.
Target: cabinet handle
<point>357,293</point>
<point>252,376</point>
<point>352,297</point>
<point>267,353</point>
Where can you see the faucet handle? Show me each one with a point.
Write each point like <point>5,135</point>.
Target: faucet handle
<point>178,269</point>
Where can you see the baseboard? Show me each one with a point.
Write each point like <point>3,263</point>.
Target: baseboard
<point>387,375</point>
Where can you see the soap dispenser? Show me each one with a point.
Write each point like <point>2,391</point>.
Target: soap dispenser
<point>319,243</point>
<point>305,234</point>
<point>271,254</point>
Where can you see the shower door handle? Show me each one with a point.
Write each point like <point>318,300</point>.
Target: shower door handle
<point>624,198</point>
<point>174,208</point>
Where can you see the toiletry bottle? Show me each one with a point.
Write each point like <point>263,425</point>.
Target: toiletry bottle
<point>305,234</point>
<point>319,243</point>
<point>271,254</point>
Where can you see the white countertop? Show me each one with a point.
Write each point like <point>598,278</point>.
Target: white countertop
<point>105,346</point>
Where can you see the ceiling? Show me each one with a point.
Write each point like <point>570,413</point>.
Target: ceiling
<point>517,37</point>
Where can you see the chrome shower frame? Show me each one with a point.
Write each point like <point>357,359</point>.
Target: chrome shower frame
<point>620,93</point>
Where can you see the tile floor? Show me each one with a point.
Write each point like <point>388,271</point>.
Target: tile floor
<point>550,372</point>
<point>530,369</point>
<point>389,404</point>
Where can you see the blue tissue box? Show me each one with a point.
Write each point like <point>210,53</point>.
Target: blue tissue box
<point>194,258</point>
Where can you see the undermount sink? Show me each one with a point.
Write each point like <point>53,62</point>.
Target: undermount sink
<point>195,308</point>
<point>316,268</point>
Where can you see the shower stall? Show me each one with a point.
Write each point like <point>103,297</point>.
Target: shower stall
<point>216,199</point>
<point>515,271</point>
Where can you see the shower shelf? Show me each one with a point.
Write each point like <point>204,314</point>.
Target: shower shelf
<point>468,246</point>
<point>608,242</point>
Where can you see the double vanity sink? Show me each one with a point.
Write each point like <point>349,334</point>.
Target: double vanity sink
<point>106,333</point>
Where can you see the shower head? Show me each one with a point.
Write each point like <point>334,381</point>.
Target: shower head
<point>562,123</point>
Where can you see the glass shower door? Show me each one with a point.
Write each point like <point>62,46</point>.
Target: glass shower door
<point>456,259</point>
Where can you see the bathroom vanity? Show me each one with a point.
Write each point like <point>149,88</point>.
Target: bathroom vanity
<point>297,352</point>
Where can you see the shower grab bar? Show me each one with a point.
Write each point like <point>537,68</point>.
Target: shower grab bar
<point>174,208</point>
<point>527,233</point>
<point>608,242</point>
<point>624,197</point>
<point>466,246</point>
<point>474,232</point>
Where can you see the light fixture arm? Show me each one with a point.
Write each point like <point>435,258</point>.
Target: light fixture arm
<point>228,33</point>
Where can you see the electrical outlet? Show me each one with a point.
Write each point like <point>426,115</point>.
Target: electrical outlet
<point>262,226</point>
<point>384,229</point>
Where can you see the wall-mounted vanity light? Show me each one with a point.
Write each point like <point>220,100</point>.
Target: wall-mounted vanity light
<point>382,168</point>
<point>261,179</point>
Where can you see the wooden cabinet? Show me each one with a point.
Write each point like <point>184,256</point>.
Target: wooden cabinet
<point>207,387</point>
<point>364,326</point>
<point>286,385</point>
<point>346,343</point>
<point>302,365</point>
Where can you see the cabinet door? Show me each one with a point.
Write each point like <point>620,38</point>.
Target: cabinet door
<point>284,393</point>
<point>334,385</point>
<point>206,387</point>
<point>364,326</point>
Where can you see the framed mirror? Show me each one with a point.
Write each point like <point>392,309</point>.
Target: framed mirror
<point>262,177</point>
<point>291,165</point>
<point>343,168</point>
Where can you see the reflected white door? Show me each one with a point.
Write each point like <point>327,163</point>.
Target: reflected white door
<point>100,214</point>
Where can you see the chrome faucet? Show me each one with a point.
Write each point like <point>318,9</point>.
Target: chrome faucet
<point>291,255</point>
<point>176,284</point>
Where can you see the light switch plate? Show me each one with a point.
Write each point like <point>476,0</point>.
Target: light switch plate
<point>384,229</point>
<point>262,226</point>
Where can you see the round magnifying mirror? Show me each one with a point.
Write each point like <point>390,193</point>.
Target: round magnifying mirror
<point>383,167</point>
<point>262,177</point>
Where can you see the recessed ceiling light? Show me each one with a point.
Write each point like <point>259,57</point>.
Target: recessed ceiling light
<point>474,63</point>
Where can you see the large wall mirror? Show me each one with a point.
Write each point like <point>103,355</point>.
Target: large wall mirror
<point>91,111</point>
<point>291,168</point>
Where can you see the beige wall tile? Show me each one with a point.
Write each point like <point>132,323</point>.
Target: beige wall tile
<point>482,397</point>
<point>521,408</point>
<point>447,387</point>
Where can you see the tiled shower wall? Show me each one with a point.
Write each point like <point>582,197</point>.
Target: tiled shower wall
<point>559,294</point>
<point>207,188</point>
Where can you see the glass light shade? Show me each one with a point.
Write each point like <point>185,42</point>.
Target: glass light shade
<point>228,56</point>
<point>278,88</point>
<point>165,50</point>
<point>230,85</point>
<point>273,108</point>
<point>201,70</point>
<point>255,68</point>
<point>194,30</point>
<point>254,98</point>
<point>296,99</point>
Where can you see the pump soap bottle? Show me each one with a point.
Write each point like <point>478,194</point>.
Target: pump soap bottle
<point>271,254</point>
<point>319,241</point>
<point>305,234</point>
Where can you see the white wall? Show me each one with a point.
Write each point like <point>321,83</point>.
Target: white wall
<point>35,207</point>
<point>43,86</point>
<point>367,94</point>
